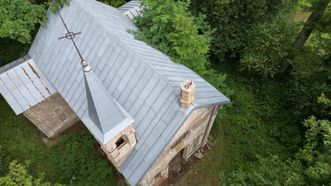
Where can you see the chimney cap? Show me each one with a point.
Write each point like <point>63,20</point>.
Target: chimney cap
<point>187,93</point>
<point>188,86</point>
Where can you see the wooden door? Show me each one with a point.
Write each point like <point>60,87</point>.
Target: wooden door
<point>191,148</point>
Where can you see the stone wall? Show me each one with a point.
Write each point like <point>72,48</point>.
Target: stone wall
<point>118,148</point>
<point>190,137</point>
<point>52,116</point>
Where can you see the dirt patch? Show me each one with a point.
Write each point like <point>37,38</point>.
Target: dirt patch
<point>50,142</point>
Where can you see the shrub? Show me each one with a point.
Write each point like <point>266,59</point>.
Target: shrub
<point>18,175</point>
<point>310,77</point>
<point>268,47</point>
<point>316,153</point>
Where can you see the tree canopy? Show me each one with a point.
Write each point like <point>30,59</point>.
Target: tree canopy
<point>170,27</point>
<point>18,19</point>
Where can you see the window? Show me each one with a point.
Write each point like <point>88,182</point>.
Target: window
<point>120,142</point>
<point>180,140</point>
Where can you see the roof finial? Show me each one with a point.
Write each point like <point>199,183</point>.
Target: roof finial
<point>86,66</point>
<point>71,36</point>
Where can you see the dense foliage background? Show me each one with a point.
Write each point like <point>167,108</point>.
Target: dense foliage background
<point>271,57</point>
<point>280,51</point>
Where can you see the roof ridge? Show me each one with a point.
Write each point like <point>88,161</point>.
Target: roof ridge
<point>128,48</point>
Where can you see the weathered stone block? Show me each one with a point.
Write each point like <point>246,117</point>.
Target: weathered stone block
<point>52,116</point>
<point>118,148</point>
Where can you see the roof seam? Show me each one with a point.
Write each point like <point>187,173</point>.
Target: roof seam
<point>8,90</point>
<point>165,145</point>
<point>129,49</point>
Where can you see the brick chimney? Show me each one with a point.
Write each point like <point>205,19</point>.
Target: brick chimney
<point>187,93</point>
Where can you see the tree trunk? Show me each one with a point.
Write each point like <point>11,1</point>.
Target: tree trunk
<point>308,28</point>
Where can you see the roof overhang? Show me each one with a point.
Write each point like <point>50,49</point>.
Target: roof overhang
<point>23,85</point>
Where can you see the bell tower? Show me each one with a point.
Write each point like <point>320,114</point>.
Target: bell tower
<point>110,123</point>
<point>107,120</point>
<point>118,148</point>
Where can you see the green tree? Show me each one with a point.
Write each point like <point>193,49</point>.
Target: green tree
<point>316,153</point>
<point>233,19</point>
<point>55,5</point>
<point>268,47</point>
<point>311,67</point>
<point>18,19</point>
<point>317,9</point>
<point>18,175</point>
<point>170,27</point>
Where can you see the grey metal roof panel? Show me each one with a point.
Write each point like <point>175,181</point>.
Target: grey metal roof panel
<point>131,9</point>
<point>140,78</point>
<point>129,5</point>
<point>23,85</point>
<point>14,64</point>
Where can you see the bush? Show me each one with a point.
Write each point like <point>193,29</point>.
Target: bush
<point>268,47</point>
<point>316,152</point>
<point>18,175</point>
<point>310,77</point>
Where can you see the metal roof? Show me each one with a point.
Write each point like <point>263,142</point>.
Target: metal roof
<point>23,85</point>
<point>107,117</point>
<point>140,78</point>
<point>131,9</point>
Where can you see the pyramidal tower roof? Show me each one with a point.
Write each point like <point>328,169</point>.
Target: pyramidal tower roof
<point>106,115</point>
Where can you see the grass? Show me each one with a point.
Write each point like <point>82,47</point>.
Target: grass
<point>74,160</point>
<point>206,171</point>
<point>22,141</point>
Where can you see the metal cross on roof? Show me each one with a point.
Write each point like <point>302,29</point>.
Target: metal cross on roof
<point>71,36</point>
